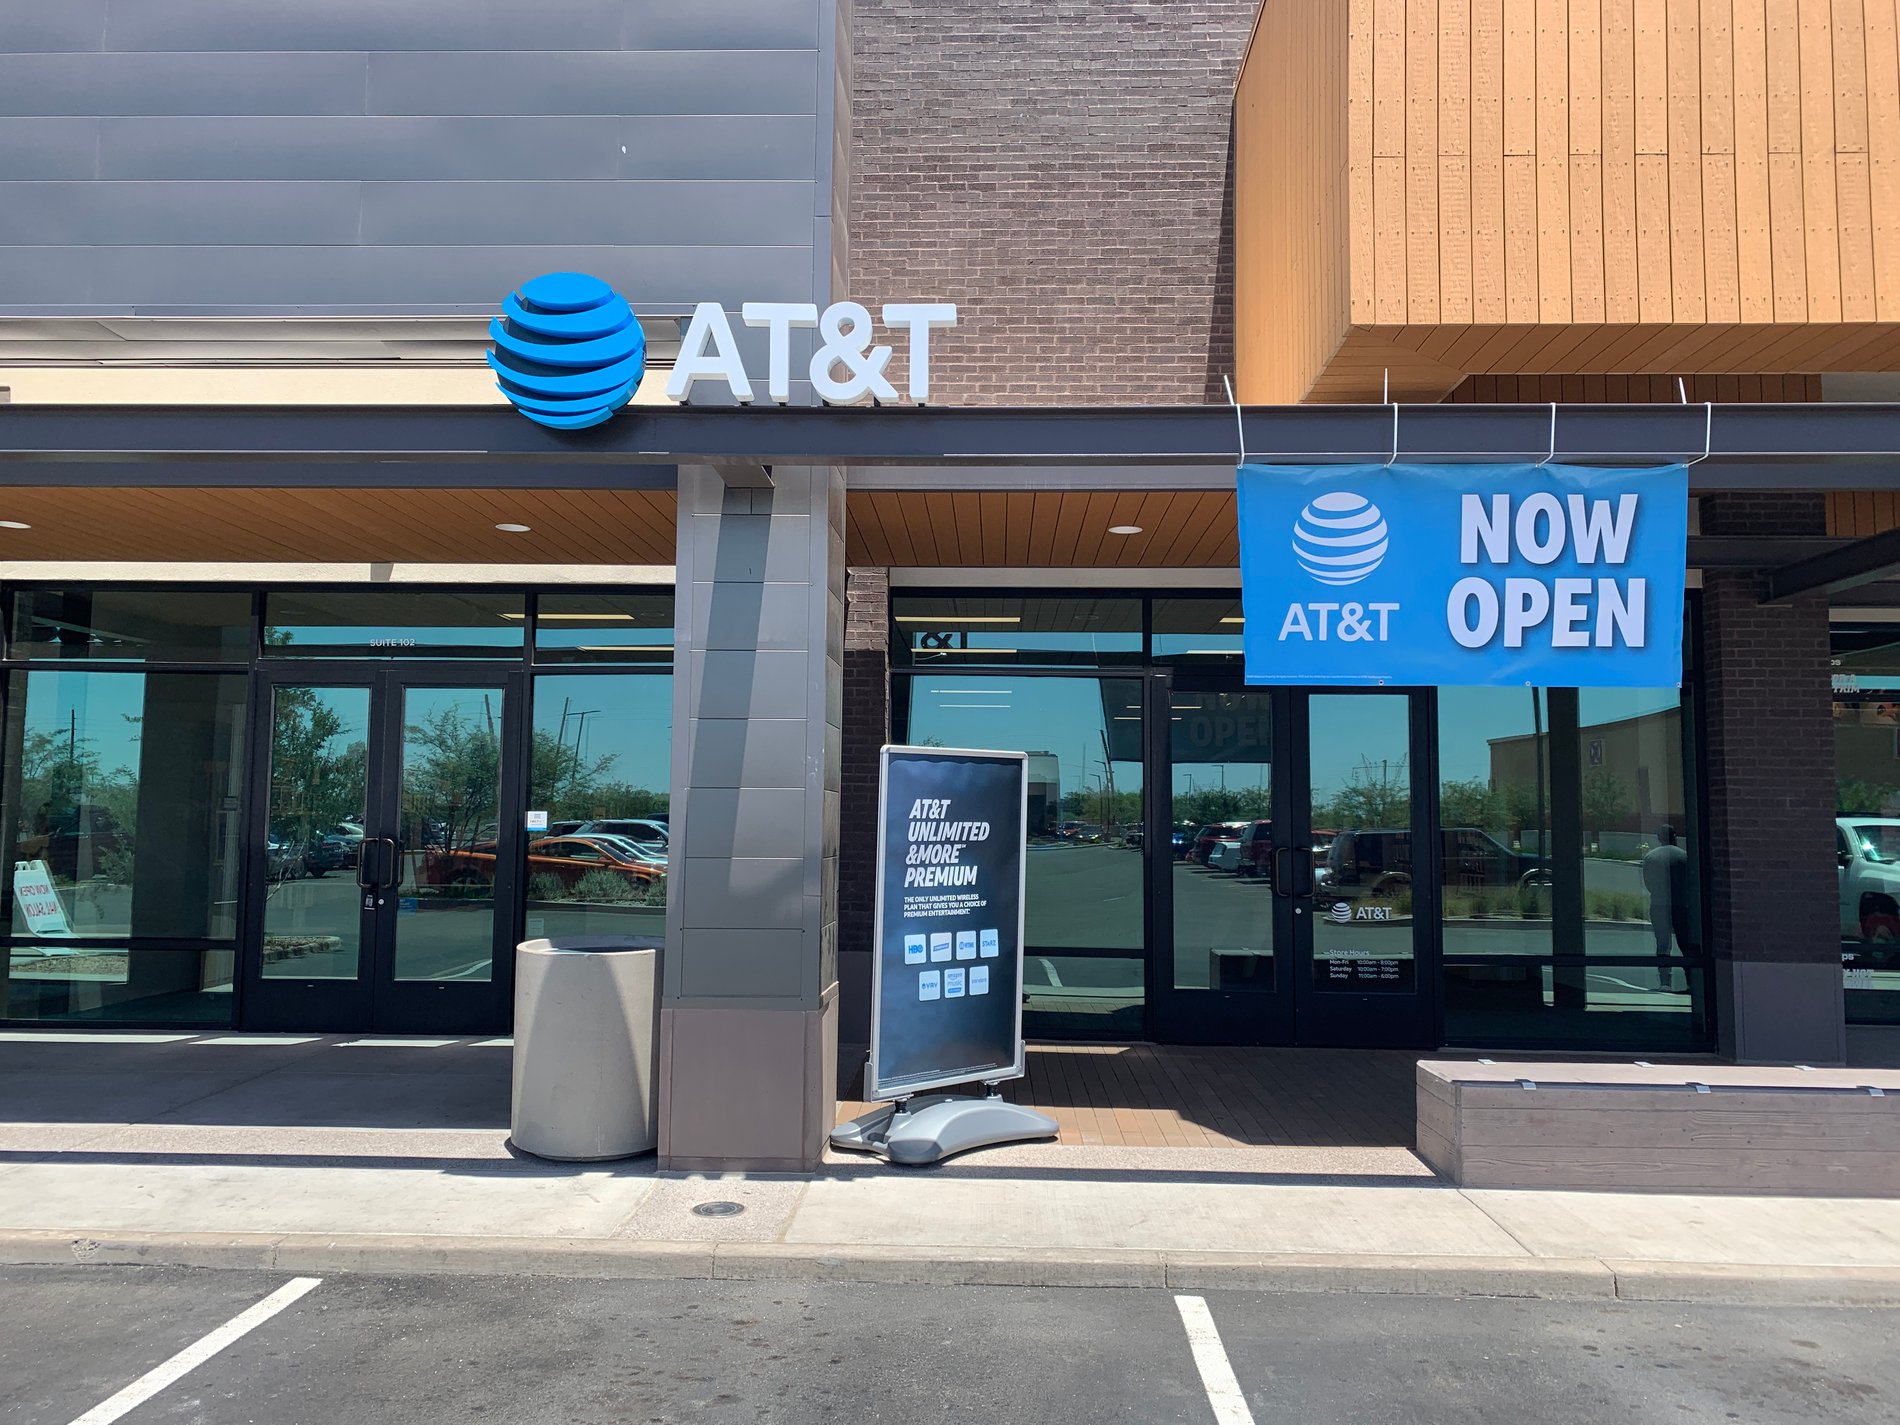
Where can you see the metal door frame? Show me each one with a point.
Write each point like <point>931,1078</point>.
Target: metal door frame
<point>1294,1012</point>
<point>1338,1018</point>
<point>1177,1016</point>
<point>374,1000</point>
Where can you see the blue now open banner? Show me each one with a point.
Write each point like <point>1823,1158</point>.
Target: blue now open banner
<point>1555,575</point>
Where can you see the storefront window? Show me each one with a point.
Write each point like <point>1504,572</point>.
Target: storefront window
<point>131,625</point>
<point>1204,631</point>
<point>1641,891</point>
<point>1866,679</point>
<point>604,628</point>
<point>953,632</point>
<point>124,792</point>
<point>1570,891</point>
<point>1085,883</point>
<point>399,623</point>
<point>602,765</point>
<point>111,984</point>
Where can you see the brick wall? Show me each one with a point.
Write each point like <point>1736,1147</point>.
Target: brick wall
<point>1769,750</point>
<point>867,727</point>
<point>1061,171</point>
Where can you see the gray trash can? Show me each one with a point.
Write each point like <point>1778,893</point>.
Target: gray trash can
<point>586,1023</point>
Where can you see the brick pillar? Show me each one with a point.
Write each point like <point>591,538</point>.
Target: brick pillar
<point>867,727</point>
<point>1769,759</point>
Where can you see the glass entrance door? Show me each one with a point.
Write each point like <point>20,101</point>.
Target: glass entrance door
<point>1293,898</point>
<point>1225,972</point>
<point>1362,893</point>
<point>384,858</point>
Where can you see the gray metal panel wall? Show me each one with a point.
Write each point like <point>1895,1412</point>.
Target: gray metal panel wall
<point>422,156</point>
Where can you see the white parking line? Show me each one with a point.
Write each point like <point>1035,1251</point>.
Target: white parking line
<point>1210,1357</point>
<point>196,1354</point>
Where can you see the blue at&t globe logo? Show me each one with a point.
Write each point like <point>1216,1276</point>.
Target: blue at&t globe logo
<point>567,350</point>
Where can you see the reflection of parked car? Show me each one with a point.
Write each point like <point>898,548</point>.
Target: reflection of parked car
<point>348,836</point>
<point>1181,841</point>
<point>1256,850</point>
<point>1867,849</point>
<point>1208,836</point>
<point>328,853</point>
<point>641,829</point>
<point>283,860</point>
<point>1225,854</point>
<point>1380,861</point>
<point>567,858</point>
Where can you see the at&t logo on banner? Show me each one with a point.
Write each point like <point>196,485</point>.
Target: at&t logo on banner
<point>1422,575</point>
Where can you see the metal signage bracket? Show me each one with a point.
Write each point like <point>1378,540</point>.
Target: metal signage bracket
<point>916,1132</point>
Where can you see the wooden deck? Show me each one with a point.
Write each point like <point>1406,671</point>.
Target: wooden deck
<point>1165,1096</point>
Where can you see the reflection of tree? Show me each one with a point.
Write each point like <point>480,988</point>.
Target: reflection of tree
<point>1472,803</point>
<point>1096,804</point>
<point>1856,797</point>
<point>1211,804</point>
<point>1505,809</point>
<point>571,787</point>
<point>1376,794</point>
<point>62,784</point>
<point>1607,802</point>
<point>451,779</point>
<point>315,783</point>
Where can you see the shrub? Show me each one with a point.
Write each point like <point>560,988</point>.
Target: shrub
<point>607,887</point>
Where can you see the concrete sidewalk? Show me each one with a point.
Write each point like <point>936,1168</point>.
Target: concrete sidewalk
<point>363,1154</point>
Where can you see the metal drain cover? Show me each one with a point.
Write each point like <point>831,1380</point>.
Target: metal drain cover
<point>718,1209</point>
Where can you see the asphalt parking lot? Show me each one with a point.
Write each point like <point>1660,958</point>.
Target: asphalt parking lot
<point>425,1348</point>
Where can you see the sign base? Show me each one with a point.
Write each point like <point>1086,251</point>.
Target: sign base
<point>926,1130</point>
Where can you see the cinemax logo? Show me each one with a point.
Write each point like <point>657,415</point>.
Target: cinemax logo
<point>1340,538</point>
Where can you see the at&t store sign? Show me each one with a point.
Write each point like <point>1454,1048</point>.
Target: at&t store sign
<point>568,351</point>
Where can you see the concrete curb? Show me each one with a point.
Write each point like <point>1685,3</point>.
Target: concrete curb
<point>1544,1278</point>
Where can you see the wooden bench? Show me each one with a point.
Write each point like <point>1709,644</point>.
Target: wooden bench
<point>1693,1128</point>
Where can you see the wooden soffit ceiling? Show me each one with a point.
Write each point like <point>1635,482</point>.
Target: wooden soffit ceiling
<point>1040,529</point>
<point>1189,529</point>
<point>324,526</point>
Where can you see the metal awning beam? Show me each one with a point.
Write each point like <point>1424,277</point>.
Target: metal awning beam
<point>1747,447</point>
<point>1864,561</point>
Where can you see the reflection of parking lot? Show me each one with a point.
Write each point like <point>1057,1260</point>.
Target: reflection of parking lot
<point>436,939</point>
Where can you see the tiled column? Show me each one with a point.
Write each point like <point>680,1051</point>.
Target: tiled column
<point>867,727</point>
<point>748,1021</point>
<point>1769,760</point>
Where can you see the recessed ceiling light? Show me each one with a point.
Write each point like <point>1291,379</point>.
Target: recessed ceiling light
<point>1124,529</point>
<point>14,524</point>
<point>514,528</point>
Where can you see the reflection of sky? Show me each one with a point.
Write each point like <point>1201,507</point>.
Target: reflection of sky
<point>626,717</point>
<point>1005,714</point>
<point>103,708</point>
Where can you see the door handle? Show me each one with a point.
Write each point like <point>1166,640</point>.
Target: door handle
<point>1292,872</point>
<point>390,863</point>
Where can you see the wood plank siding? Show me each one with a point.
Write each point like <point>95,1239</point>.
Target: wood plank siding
<point>1435,189</point>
